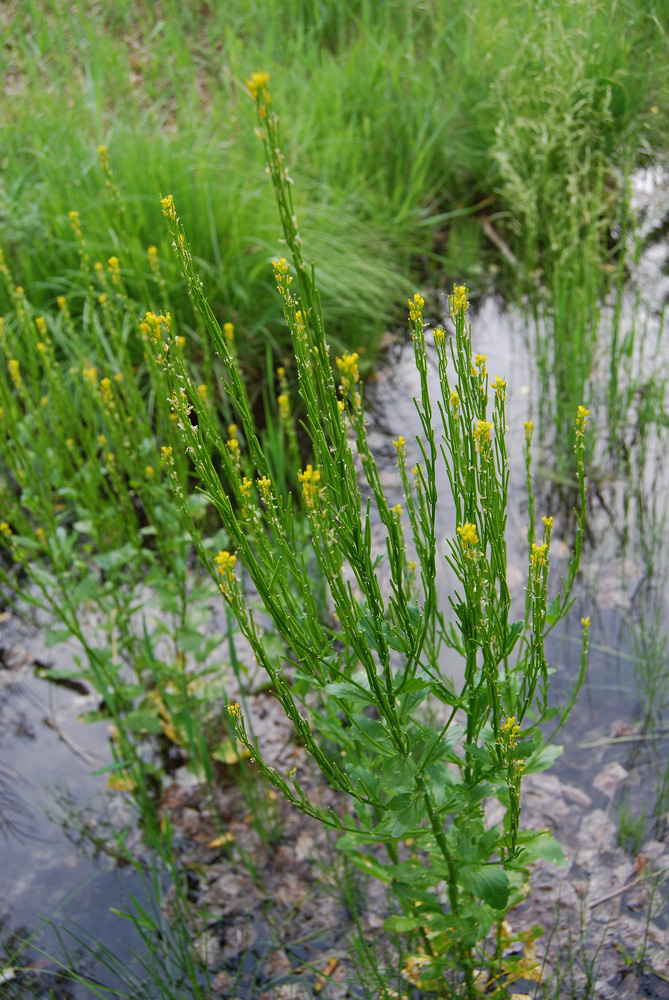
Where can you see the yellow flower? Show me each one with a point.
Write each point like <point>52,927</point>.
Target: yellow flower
<point>15,373</point>
<point>202,392</point>
<point>538,555</point>
<point>397,509</point>
<point>233,446</point>
<point>233,430</point>
<point>107,393</point>
<point>118,378</point>
<point>102,440</point>
<point>400,444</point>
<point>40,323</point>
<point>225,565</point>
<point>529,429</point>
<point>104,160</point>
<point>5,529</point>
<point>245,487</point>
<point>548,521</point>
<point>149,471</point>
<point>499,385</point>
<point>480,360</point>
<point>62,303</point>
<point>168,207</point>
<point>234,710</point>
<point>44,400</point>
<point>585,622</point>
<point>281,372</point>
<point>229,333</point>
<point>348,366</point>
<point>482,434</point>
<point>416,307</point>
<point>439,335</point>
<point>284,406</point>
<point>454,399</point>
<point>309,478</point>
<point>90,374</point>
<point>166,453</point>
<point>459,303</point>
<point>468,538</point>
<point>40,534</point>
<point>256,82</point>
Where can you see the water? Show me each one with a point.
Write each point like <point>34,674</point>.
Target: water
<point>49,872</point>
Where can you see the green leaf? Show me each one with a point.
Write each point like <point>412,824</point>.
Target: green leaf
<point>400,925</point>
<point>540,845</point>
<point>543,758</point>
<point>488,882</point>
<point>368,863</point>
<point>55,636</point>
<point>398,774</point>
<point>142,721</point>
<point>515,631</point>
<point>371,734</point>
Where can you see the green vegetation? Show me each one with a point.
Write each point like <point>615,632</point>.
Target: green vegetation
<point>400,118</point>
<point>171,427</point>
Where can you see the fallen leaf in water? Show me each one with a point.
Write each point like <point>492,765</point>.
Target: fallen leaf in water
<point>225,838</point>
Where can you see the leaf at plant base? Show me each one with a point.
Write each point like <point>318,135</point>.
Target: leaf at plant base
<point>488,882</point>
<point>121,783</point>
<point>401,925</point>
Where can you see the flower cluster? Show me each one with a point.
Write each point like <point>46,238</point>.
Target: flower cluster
<point>258,82</point>
<point>459,303</point>
<point>482,433</point>
<point>348,366</point>
<point>310,479</point>
<point>469,539</point>
<point>416,307</point>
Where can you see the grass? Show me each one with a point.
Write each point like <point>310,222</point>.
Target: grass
<point>402,118</point>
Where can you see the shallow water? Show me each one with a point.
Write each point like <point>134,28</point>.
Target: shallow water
<point>622,712</point>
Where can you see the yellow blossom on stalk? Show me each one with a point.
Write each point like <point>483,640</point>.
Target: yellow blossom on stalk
<point>234,710</point>
<point>44,400</point>
<point>265,487</point>
<point>511,729</point>
<point>40,323</point>
<point>40,534</point>
<point>454,399</point>
<point>2,413</point>
<point>111,457</point>
<point>585,622</point>
<point>104,159</point>
<point>581,420</point>
<point>76,226</point>
<point>538,555</point>
<point>281,372</point>
<point>149,471</point>
<point>256,82</point>
<point>340,405</point>
<point>459,303</point>
<point>400,444</point>
<point>439,335</point>
<point>469,539</point>
<point>245,487</point>
<point>482,434</point>
<point>107,392</point>
<point>283,278</point>
<point>229,333</point>
<point>153,324</point>
<point>69,442</point>
<point>397,509</point>
<point>548,521</point>
<point>348,366</point>
<point>103,299</point>
<point>90,374</point>
<point>98,266</point>
<point>181,341</point>
<point>416,307</point>
<point>62,304</point>
<point>233,446</point>
<point>225,565</point>
<point>118,378</point>
<point>15,373</point>
<point>233,430</point>
<point>5,529</point>
<point>202,392</point>
<point>41,347</point>
<point>168,207</point>
<point>166,453</point>
<point>284,406</point>
<point>529,429</point>
<point>416,471</point>
<point>102,440</point>
<point>480,360</point>
<point>309,478</point>
<point>115,270</point>
<point>499,385</point>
